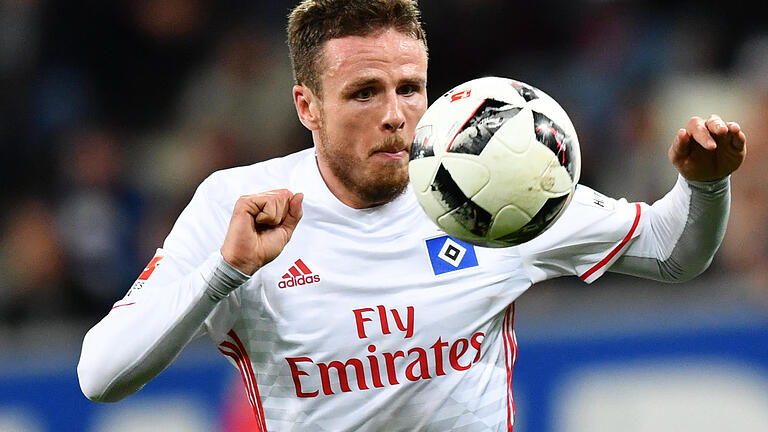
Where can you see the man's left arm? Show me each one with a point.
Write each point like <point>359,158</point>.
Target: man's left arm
<point>683,230</point>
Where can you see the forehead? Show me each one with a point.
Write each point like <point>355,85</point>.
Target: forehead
<point>387,53</point>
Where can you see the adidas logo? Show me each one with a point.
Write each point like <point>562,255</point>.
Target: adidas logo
<point>298,274</point>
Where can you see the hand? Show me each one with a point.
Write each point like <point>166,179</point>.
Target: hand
<point>260,227</point>
<point>708,150</point>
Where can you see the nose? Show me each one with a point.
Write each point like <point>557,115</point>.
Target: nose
<point>394,118</point>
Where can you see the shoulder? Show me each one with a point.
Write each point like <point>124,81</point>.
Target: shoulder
<point>228,184</point>
<point>590,217</point>
<point>590,210</point>
<point>587,198</point>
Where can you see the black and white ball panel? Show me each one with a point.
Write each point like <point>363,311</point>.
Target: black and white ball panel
<point>494,161</point>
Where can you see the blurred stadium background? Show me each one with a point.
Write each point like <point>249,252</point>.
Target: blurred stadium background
<point>112,112</point>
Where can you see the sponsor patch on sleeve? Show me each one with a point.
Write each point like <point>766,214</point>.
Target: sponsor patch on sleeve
<point>145,274</point>
<point>446,254</point>
<point>153,263</point>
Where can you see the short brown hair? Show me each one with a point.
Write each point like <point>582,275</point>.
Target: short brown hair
<point>314,22</point>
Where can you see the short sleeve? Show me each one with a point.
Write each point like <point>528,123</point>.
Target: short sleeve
<point>588,238</point>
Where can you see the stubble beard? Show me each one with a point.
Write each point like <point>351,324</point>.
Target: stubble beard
<point>372,185</point>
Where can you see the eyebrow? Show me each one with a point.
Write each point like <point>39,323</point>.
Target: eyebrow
<point>369,81</point>
<point>361,83</point>
<point>422,82</point>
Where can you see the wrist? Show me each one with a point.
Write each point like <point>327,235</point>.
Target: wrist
<point>710,185</point>
<point>224,279</point>
<point>245,267</point>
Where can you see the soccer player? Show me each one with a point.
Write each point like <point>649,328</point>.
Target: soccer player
<point>344,307</point>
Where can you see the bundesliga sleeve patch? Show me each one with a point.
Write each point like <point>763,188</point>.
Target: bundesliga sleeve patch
<point>447,254</point>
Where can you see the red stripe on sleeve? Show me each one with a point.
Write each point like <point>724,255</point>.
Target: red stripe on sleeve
<point>615,250</point>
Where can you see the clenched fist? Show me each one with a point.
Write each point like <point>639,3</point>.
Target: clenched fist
<point>260,227</point>
<point>708,149</point>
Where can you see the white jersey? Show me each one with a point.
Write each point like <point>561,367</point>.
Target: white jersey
<point>370,319</point>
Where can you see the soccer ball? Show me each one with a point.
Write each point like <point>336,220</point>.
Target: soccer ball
<point>494,162</point>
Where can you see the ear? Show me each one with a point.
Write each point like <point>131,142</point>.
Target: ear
<point>307,107</point>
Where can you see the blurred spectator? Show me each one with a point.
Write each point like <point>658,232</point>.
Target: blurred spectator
<point>618,51</point>
<point>236,109</point>
<point>127,59</point>
<point>168,167</point>
<point>169,19</point>
<point>98,215</point>
<point>33,276</point>
<point>246,89</point>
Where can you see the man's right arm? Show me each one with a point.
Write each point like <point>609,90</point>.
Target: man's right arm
<point>167,307</point>
<point>146,331</point>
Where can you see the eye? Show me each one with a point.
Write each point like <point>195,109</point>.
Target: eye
<point>407,89</point>
<point>364,94</point>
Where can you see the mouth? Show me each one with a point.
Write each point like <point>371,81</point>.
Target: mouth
<point>395,148</point>
<point>392,153</point>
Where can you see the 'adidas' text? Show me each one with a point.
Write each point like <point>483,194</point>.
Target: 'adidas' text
<point>297,281</point>
<point>299,274</point>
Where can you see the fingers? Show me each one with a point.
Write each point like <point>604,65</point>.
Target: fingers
<point>699,130</point>
<point>716,125</point>
<point>681,146</point>
<point>738,138</point>
<point>713,130</point>
<point>295,211</point>
<point>708,149</point>
<point>266,208</point>
<point>273,206</point>
<point>260,227</point>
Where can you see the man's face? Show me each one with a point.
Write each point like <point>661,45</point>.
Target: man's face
<point>373,94</point>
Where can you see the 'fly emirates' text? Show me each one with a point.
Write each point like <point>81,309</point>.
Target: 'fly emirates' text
<point>379,369</point>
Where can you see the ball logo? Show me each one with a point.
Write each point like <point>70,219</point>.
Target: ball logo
<point>461,95</point>
<point>299,274</point>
